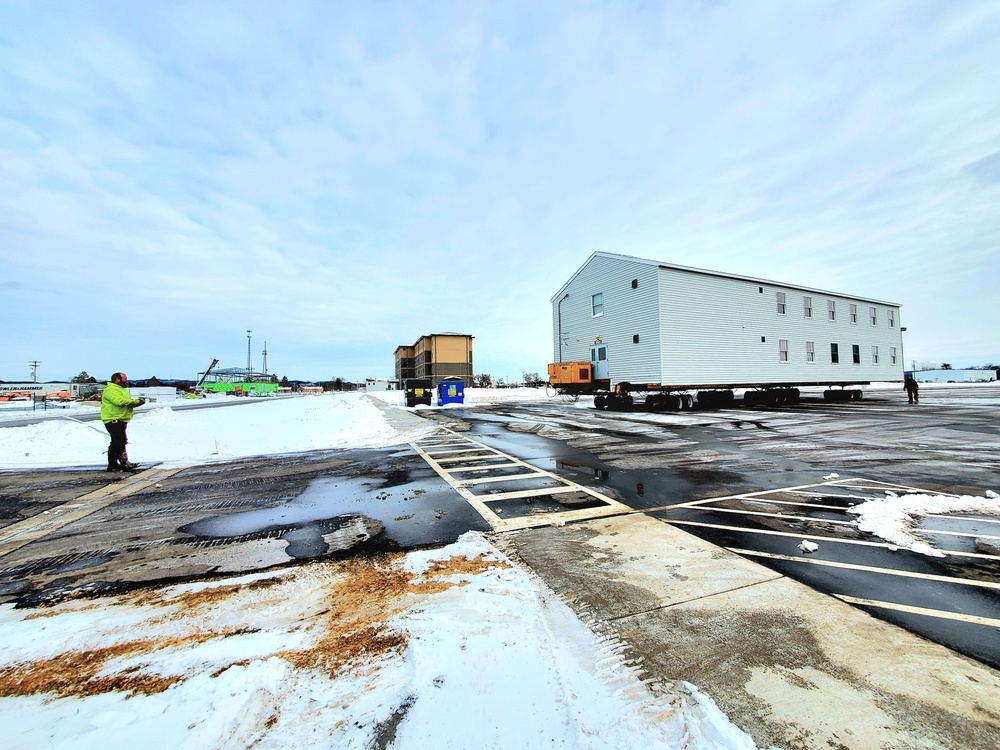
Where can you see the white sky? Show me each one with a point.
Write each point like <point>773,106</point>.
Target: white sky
<point>344,178</point>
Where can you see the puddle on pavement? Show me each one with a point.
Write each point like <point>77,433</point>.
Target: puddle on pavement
<point>338,513</point>
<point>643,487</point>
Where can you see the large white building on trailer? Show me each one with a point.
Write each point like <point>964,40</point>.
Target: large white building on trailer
<point>643,321</point>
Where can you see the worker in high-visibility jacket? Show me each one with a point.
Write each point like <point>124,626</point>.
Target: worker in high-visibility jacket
<point>117,407</point>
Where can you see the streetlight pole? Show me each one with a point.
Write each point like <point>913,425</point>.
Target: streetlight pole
<point>249,359</point>
<point>559,331</point>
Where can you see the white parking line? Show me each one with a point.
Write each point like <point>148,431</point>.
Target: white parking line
<point>943,614</point>
<point>814,537</point>
<point>782,516</point>
<point>868,569</point>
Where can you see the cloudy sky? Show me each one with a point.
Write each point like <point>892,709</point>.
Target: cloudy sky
<point>342,178</point>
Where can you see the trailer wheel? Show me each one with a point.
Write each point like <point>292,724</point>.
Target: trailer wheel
<point>687,401</point>
<point>857,395</point>
<point>600,402</point>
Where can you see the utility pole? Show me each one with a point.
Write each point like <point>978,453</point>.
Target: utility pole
<point>34,370</point>
<point>265,358</point>
<point>249,358</point>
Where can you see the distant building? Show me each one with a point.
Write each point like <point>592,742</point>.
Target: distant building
<point>955,376</point>
<point>154,393</point>
<point>380,384</point>
<point>238,381</point>
<point>436,357</point>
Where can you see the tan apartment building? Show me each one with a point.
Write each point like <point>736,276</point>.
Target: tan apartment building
<point>436,357</point>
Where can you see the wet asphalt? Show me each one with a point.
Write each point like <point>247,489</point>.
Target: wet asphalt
<point>256,513</point>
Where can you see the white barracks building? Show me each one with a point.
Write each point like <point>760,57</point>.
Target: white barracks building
<point>643,321</point>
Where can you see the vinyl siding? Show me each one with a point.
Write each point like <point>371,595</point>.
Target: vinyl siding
<point>628,312</point>
<point>704,328</point>
<point>724,330</point>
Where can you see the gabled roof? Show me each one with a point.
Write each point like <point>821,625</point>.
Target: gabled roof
<point>705,272</point>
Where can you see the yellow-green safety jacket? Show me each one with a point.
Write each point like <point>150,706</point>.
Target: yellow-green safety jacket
<point>116,403</point>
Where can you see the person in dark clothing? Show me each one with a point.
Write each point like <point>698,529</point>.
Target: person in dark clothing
<point>912,389</point>
<point>117,407</point>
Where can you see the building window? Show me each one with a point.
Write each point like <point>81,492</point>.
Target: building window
<point>635,339</point>
<point>856,353</point>
<point>892,355</point>
<point>782,350</point>
<point>810,351</point>
<point>834,354</point>
<point>854,315</point>
<point>598,302</point>
<point>892,318</point>
<point>780,297</point>
<point>635,283</point>
<point>874,355</point>
<point>873,316</point>
<point>831,310</point>
<point>807,307</point>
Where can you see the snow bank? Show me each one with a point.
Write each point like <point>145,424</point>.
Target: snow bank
<point>892,518</point>
<point>186,436</point>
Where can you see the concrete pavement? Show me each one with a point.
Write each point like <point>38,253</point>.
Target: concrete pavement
<point>790,666</point>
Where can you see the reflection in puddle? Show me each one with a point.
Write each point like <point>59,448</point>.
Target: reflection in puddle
<point>338,513</point>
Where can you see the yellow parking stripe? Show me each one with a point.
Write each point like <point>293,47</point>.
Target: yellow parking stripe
<point>442,466</point>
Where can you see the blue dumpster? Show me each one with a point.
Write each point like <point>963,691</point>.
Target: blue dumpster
<point>451,392</point>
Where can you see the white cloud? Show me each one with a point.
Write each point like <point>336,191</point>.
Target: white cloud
<point>338,175</point>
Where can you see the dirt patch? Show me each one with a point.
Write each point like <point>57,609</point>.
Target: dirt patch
<point>350,621</point>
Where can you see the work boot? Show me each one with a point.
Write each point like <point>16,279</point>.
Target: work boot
<point>128,467</point>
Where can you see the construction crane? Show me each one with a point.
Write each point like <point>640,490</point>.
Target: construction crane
<point>205,374</point>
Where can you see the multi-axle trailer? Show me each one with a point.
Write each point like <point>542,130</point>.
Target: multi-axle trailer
<point>574,378</point>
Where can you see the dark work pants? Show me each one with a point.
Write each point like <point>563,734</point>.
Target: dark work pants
<point>116,451</point>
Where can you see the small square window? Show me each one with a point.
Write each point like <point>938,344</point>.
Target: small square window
<point>635,339</point>
<point>635,283</point>
<point>597,302</point>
